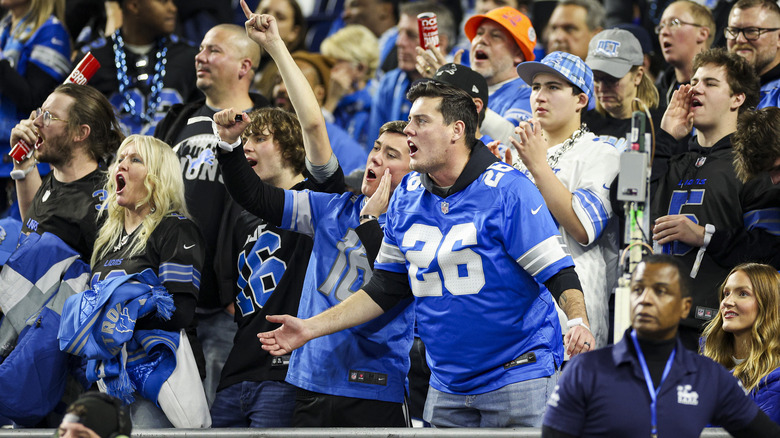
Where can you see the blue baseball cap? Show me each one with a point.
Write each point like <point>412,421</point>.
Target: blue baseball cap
<point>570,67</point>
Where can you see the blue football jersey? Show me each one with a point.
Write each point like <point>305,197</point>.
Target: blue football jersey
<point>475,260</point>
<point>512,101</point>
<point>368,361</point>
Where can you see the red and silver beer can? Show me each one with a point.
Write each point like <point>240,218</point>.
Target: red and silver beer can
<point>429,30</point>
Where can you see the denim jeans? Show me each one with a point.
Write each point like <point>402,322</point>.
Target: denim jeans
<point>516,405</point>
<point>254,404</point>
<point>215,333</point>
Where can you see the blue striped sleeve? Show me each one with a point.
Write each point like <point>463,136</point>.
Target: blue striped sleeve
<point>179,273</point>
<point>592,211</point>
<point>766,218</point>
<point>297,215</point>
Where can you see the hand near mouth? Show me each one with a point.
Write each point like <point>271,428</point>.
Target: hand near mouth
<point>25,130</point>
<point>678,118</point>
<point>377,203</point>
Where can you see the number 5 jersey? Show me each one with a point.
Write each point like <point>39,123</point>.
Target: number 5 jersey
<point>702,185</point>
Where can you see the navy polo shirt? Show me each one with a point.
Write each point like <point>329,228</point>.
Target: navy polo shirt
<point>603,394</point>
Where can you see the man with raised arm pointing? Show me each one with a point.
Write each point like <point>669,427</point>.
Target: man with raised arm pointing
<point>457,239</point>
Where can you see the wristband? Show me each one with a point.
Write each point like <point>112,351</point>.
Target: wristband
<point>368,217</point>
<point>18,175</point>
<point>575,322</point>
<point>709,230</point>
<point>225,146</point>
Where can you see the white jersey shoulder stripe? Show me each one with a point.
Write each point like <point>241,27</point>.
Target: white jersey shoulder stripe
<point>389,253</point>
<point>301,217</point>
<point>544,254</point>
<point>51,58</point>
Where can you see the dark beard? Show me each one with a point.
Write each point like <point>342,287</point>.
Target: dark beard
<point>55,153</point>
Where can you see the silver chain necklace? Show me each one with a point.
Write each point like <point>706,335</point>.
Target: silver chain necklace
<point>552,160</point>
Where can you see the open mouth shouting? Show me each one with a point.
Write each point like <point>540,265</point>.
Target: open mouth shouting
<point>120,183</point>
<point>480,55</point>
<point>412,148</point>
<point>39,141</point>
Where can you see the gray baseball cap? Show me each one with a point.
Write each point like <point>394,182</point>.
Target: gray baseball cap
<point>614,51</point>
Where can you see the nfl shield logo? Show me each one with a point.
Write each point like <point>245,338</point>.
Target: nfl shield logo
<point>700,161</point>
<point>445,208</point>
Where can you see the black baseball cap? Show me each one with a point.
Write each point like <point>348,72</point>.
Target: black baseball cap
<point>464,78</point>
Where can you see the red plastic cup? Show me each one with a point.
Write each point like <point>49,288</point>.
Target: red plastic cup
<point>21,151</point>
<point>84,71</point>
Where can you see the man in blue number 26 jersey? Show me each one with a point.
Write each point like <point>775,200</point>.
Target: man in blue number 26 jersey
<point>469,237</point>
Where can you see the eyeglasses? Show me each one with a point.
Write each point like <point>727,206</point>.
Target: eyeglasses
<point>47,117</point>
<point>673,25</point>
<point>750,33</point>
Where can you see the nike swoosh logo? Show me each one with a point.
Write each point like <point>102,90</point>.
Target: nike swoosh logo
<point>605,186</point>
<point>188,247</point>
<point>536,210</point>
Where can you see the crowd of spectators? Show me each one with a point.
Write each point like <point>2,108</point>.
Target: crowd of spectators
<point>379,213</point>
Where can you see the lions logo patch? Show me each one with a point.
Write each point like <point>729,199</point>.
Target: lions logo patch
<point>205,157</point>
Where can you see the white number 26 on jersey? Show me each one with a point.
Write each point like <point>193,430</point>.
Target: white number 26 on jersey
<point>459,266</point>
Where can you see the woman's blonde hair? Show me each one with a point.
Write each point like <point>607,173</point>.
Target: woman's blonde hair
<point>764,354</point>
<point>353,43</point>
<point>164,194</point>
<point>39,12</point>
<point>645,92</point>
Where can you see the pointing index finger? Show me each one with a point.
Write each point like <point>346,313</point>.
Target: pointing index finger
<point>247,11</point>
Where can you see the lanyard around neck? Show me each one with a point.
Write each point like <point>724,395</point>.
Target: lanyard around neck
<point>649,381</point>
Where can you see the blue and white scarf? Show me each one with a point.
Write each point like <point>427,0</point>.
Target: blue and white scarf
<point>99,325</point>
